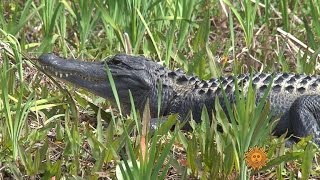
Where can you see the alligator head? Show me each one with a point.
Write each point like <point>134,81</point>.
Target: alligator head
<point>129,73</point>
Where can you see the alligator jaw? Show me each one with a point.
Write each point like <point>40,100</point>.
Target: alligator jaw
<point>128,74</point>
<point>89,75</point>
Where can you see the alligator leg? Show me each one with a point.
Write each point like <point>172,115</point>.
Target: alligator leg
<point>304,117</point>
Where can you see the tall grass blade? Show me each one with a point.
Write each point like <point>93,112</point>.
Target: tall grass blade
<point>285,15</point>
<point>187,8</point>
<point>150,34</point>
<point>113,87</point>
<point>170,38</point>
<point>108,20</point>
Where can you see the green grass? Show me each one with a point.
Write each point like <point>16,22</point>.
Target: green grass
<point>46,130</point>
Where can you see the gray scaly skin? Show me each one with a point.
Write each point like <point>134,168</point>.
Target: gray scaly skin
<point>294,97</point>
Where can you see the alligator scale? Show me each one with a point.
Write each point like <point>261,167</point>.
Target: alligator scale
<point>294,97</point>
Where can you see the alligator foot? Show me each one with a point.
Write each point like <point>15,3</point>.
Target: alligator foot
<point>155,123</point>
<point>304,117</point>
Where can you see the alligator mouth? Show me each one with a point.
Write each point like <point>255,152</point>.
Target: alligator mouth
<point>88,75</point>
<point>71,74</point>
<point>72,70</point>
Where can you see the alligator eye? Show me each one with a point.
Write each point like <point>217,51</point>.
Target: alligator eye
<point>116,62</point>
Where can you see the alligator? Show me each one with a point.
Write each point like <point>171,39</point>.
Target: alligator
<point>294,97</point>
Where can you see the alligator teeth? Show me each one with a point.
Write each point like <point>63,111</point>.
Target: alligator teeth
<point>56,74</point>
<point>60,75</point>
<point>67,75</point>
